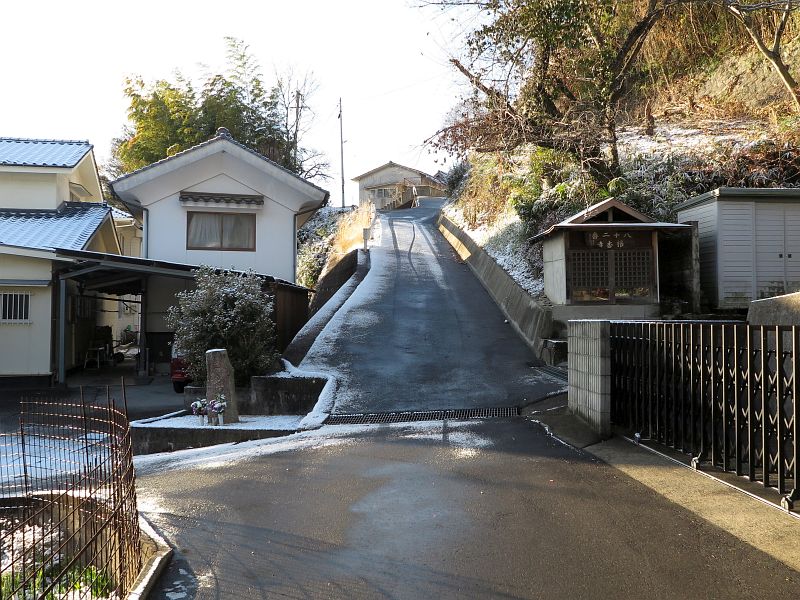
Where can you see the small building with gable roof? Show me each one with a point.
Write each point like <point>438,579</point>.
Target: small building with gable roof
<point>610,261</point>
<point>221,204</point>
<point>394,186</point>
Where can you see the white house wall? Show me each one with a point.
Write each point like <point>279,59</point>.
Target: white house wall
<point>167,217</point>
<point>29,190</point>
<point>25,347</point>
<point>555,269</point>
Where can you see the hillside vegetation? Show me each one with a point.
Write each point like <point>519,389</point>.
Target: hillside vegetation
<point>565,113</point>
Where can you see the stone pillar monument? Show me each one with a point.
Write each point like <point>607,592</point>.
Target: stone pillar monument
<point>220,380</point>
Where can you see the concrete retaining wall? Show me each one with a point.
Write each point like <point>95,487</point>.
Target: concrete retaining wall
<point>283,395</point>
<point>269,395</point>
<point>531,319</point>
<point>589,361</point>
<point>148,440</point>
<point>331,280</point>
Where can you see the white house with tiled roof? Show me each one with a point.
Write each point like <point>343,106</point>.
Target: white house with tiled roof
<point>393,185</point>
<point>221,204</point>
<point>50,198</point>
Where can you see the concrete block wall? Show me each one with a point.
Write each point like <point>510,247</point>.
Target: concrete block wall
<point>529,318</point>
<point>589,363</point>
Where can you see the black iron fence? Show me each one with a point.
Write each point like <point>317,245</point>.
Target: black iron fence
<point>68,520</point>
<point>724,392</point>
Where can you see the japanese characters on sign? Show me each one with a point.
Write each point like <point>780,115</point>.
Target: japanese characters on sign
<point>608,239</point>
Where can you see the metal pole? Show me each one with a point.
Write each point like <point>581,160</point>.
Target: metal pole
<point>62,330</point>
<point>297,122</point>
<point>341,146</point>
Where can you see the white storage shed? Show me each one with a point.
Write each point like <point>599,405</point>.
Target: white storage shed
<point>749,243</point>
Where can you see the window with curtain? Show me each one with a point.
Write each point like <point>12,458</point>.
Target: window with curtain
<point>220,231</point>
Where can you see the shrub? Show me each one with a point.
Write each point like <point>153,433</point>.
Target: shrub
<point>225,310</point>
<point>456,178</point>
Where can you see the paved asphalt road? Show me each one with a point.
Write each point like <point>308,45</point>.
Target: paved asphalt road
<point>496,510</point>
<point>482,509</point>
<point>420,332</point>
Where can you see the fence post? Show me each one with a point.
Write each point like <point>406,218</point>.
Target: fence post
<point>589,363</point>
<point>789,500</point>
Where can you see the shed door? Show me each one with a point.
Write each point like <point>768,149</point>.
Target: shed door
<point>770,275</point>
<point>792,256</point>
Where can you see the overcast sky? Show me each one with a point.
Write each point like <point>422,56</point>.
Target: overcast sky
<point>64,64</point>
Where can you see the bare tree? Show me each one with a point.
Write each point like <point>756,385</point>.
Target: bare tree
<point>294,92</point>
<point>746,14</point>
<point>566,67</point>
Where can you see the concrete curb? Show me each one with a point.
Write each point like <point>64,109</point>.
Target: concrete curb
<point>154,566</point>
<point>531,320</point>
<point>298,348</point>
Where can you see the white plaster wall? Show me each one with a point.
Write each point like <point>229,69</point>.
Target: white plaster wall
<point>29,190</point>
<point>555,269</point>
<point>22,267</point>
<point>275,232</point>
<point>130,240</point>
<point>25,347</point>
<point>86,175</point>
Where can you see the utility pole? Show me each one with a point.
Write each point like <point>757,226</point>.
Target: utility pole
<point>341,146</point>
<point>296,122</point>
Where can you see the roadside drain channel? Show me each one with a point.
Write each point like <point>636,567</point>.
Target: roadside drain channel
<point>458,414</point>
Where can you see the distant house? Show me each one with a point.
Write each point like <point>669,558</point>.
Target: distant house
<point>749,243</point>
<point>50,199</point>
<point>221,204</point>
<point>393,186</point>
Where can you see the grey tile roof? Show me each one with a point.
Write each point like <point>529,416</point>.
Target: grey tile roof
<point>222,134</point>
<point>25,152</point>
<point>70,226</point>
<point>222,198</point>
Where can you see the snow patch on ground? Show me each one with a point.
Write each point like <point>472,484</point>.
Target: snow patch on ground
<point>505,242</point>
<point>451,434</point>
<point>40,453</point>
<point>257,422</point>
<point>331,306</point>
<point>316,363</point>
<point>324,405</point>
<point>700,138</point>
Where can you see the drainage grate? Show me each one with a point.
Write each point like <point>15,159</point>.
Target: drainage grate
<point>557,372</point>
<point>422,415</point>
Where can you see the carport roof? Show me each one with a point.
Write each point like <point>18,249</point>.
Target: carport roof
<point>119,275</point>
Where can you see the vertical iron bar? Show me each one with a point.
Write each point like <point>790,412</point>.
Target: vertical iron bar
<point>692,387</point>
<point>674,399</point>
<point>764,411</point>
<point>723,396</point>
<point>715,335</point>
<point>794,411</point>
<point>780,386</point>
<point>738,380</point>
<point>795,426</point>
<point>751,421</point>
<point>25,476</point>
<point>649,392</point>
